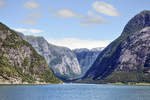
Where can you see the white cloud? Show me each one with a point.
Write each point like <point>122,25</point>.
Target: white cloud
<point>89,20</point>
<point>105,8</point>
<point>74,43</point>
<point>31,5</point>
<point>34,31</point>
<point>29,22</point>
<point>2,3</point>
<point>35,15</point>
<point>90,13</point>
<point>65,13</point>
<point>92,19</point>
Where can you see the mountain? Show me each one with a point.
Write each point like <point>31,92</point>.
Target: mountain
<point>86,57</point>
<point>61,60</point>
<point>19,62</point>
<point>126,59</point>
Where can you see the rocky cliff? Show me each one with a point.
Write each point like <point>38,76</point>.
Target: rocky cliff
<point>86,57</point>
<point>19,62</point>
<point>127,59</point>
<point>61,60</point>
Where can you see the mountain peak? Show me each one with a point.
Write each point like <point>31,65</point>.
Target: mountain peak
<point>138,22</point>
<point>126,59</point>
<point>145,12</point>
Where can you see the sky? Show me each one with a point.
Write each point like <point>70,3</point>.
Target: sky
<point>71,23</point>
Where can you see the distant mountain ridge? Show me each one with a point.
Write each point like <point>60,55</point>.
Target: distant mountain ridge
<point>127,58</point>
<point>73,64</point>
<point>86,57</point>
<point>61,60</point>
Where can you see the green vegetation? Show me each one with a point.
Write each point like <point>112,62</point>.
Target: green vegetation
<point>142,84</point>
<point>28,69</point>
<point>8,71</point>
<point>130,83</point>
<point>25,62</point>
<point>127,77</point>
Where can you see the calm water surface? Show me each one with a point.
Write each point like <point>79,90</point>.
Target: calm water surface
<point>74,92</point>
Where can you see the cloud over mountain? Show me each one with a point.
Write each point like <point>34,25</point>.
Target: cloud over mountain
<point>25,30</point>
<point>74,43</point>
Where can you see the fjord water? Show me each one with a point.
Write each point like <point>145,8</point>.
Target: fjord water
<point>74,92</point>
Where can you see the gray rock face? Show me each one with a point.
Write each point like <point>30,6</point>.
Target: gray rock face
<point>135,51</point>
<point>62,60</point>
<point>86,57</point>
<point>127,59</point>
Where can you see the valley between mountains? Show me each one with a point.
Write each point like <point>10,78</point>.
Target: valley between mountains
<point>32,60</point>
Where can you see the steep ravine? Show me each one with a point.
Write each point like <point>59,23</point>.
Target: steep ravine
<point>86,57</point>
<point>61,60</point>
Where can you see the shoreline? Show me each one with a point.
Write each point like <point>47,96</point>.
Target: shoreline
<point>119,84</point>
<point>130,84</point>
<point>26,83</point>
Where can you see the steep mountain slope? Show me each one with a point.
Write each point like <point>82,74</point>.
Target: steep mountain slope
<point>127,58</point>
<point>19,62</point>
<point>61,60</point>
<point>86,57</point>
